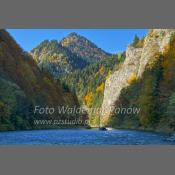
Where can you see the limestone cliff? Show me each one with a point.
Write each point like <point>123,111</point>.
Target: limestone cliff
<point>133,68</point>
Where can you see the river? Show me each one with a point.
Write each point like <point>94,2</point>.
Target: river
<point>84,137</point>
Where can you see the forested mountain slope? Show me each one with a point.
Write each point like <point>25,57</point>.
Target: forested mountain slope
<point>74,52</point>
<point>23,86</point>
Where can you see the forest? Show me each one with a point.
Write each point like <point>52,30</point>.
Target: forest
<point>74,71</point>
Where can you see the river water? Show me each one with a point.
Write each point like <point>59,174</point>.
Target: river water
<point>84,137</point>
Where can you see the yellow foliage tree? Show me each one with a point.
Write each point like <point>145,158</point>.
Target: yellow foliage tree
<point>101,87</point>
<point>132,78</point>
<point>88,99</point>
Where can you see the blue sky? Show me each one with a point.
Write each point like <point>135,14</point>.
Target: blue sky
<point>111,40</point>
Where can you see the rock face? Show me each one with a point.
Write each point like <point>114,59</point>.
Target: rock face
<point>133,68</point>
<point>155,42</point>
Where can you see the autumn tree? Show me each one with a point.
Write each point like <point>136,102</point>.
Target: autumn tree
<point>88,99</point>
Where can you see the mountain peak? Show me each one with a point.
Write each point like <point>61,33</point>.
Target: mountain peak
<point>72,52</point>
<point>83,47</point>
<point>70,38</point>
<point>73,34</point>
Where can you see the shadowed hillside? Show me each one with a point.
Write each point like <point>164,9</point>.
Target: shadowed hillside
<point>23,86</point>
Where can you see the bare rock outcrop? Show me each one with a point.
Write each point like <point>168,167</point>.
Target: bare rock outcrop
<point>133,68</point>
